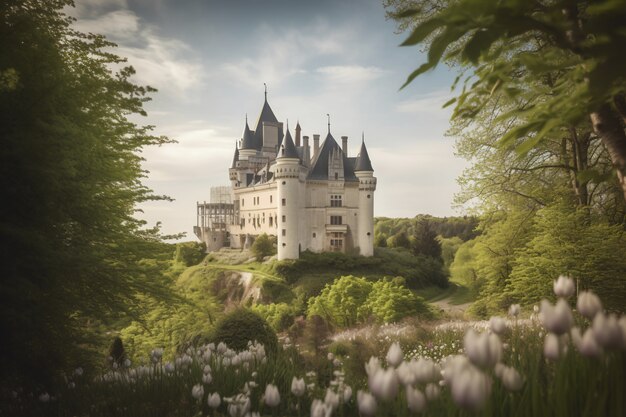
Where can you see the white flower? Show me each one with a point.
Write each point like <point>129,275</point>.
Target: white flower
<point>588,304</point>
<point>588,345</point>
<point>556,319</point>
<point>551,346</point>
<point>497,324</point>
<point>366,403</point>
<point>347,393</point>
<point>272,396</point>
<point>297,386</point>
<point>78,371</point>
<point>320,409</point>
<point>405,373</point>
<point>432,391</point>
<point>384,384</point>
<point>214,400</point>
<point>453,366</point>
<point>484,349</point>
<point>221,348</point>
<point>336,363</point>
<point>607,331</point>
<point>514,310</point>
<point>330,356</point>
<point>470,388</point>
<point>564,287</point>
<point>207,369</point>
<point>394,355</point>
<point>622,326</point>
<point>207,378</point>
<point>44,398</point>
<point>511,379</point>
<point>331,399</point>
<point>415,400</point>
<point>536,308</point>
<point>197,391</point>
<point>169,367</point>
<point>127,363</point>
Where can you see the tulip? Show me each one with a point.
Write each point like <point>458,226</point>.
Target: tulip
<point>588,304</point>
<point>384,384</point>
<point>272,396</point>
<point>330,356</point>
<point>556,319</point>
<point>366,403</point>
<point>564,287</point>
<point>622,326</point>
<point>514,310</point>
<point>347,393</point>
<point>78,371</point>
<point>607,331</point>
<point>483,350</point>
<point>197,391</point>
<point>394,355</point>
<point>588,345</point>
<point>470,388</point>
<point>320,409</point>
<point>44,398</point>
<point>497,324</point>
<point>331,399</point>
<point>207,369</point>
<point>415,400</point>
<point>207,378</point>
<point>551,346</point>
<point>511,379</point>
<point>432,391</point>
<point>297,386</point>
<point>214,400</point>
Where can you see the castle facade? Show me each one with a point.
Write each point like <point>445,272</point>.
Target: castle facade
<point>311,196</point>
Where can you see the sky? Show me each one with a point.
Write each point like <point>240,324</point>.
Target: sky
<point>209,60</point>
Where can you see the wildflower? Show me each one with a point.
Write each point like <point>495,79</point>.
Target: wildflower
<point>297,386</point>
<point>551,346</point>
<point>169,367</point>
<point>536,309</point>
<point>221,348</point>
<point>207,378</point>
<point>470,388</point>
<point>78,371</point>
<point>563,287</point>
<point>607,330</point>
<point>366,403</point>
<point>272,396</point>
<point>330,356</point>
<point>254,374</point>
<point>206,369</point>
<point>347,393</point>
<point>44,398</point>
<point>336,363</point>
<point>384,384</point>
<point>415,400</point>
<point>331,399</point>
<point>197,391</point>
<point>514,310</point>
<point>394,355</point>
<point>497,324</point>
<point>484,349</point>
<point>432,391</point>
<point>320,409</point>
<point>588,304</point>
<point>214,400</point>
<point>511,379</point>
<point>588,344</point>
<point>127,363</point>
<point>558,318</point>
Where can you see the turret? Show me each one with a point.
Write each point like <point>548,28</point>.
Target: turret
<point>248,144</point>
<point>232,172</point>
<point>367,185</point>
<point>287,175</point>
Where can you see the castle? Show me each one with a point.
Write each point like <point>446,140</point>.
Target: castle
<point>316,199</point>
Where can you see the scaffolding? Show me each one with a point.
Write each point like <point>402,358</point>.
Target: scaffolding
<point>214,218</point>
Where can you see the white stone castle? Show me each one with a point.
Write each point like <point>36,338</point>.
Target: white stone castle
<point>317,199</point>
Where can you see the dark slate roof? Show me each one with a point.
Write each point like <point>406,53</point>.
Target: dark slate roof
<point>267,115</point>
<point>287,148</point>
<point>352,160</point>
<point>363,162</point>
<point>319,166</point>
<point>247,140</point>
<point>236,157</point>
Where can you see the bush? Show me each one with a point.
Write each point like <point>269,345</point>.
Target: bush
<point>280,316</point>
<point>263,246</point>
<point>390,301</point>
<point>236,329</point>
<point>189,253</point>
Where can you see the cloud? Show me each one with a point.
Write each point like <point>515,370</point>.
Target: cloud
<point>160,62</point>
<point>351,73</point>
<point>426,103</point>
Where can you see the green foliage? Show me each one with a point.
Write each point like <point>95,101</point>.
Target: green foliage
<point>389,301</point>
<point>424,241</point>
<point>399,240</point>
<point>462,227</point>
<point>278,315</point>
<point>449,248</point>
<point>263,246</point>
<point>190,253</point>
<point>241,326</point>
<point>380,240</point>
<point>71,180</point>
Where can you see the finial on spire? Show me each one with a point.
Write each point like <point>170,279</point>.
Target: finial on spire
<point>287,124</point>
<point>328,114</point>
<point>265,91</point>
<point>246,118</point>
<point>363,136</point>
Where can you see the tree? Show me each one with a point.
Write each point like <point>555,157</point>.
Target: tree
<point>339,302</point>
<point>424,240</point>
<point>263,246</point>
<point>71,179</point>
<point>509,45</point>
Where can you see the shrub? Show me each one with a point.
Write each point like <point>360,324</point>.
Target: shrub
<point>242,325</point>
<point>390,301</point>
<point>279,316</point>
<point>263,246</point>
<point>189,253</point>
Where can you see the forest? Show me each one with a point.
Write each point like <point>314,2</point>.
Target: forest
<point>515,308</point>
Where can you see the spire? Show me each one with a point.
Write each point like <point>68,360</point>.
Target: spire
<point>328,114</point>
<point>247,139</point>
<point>363,162</point>
<point>236,157</point>
<point>288,149</point>
<point>265,92</point>
<point>298,130</point>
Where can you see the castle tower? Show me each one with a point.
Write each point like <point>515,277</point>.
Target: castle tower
<point>367,185</point>
<point>287,174</point>
<point>248,146</point>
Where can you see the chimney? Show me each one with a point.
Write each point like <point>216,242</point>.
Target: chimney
<point>344,145</point>
<point>298,130</point>
<point>306,151</point>
<point>316,145</point>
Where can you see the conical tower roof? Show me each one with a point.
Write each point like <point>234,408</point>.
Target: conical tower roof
<point>236,157</point>
<point>363,162</point>
<point>247,140</point>
<point>288,149</point>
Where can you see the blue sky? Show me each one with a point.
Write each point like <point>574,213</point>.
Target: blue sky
<point>209,60</point>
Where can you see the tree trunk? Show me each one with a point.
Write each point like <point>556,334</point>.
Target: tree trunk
<point>608,127</point>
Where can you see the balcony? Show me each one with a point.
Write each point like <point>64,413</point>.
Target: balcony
<point>340,228</point>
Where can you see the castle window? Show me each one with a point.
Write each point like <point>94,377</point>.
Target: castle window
<point>284,182</point>
<point>271,198</point>
<point>271,221</point>
<point>284,202</point>
<point>369,196</point>
<point>314,235</point>
<point>336,175</point>
<point>284,219</point>
<point>335,201</point>
<point>335,220</point>
<point>242,202</point>
<point>284,232</point>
